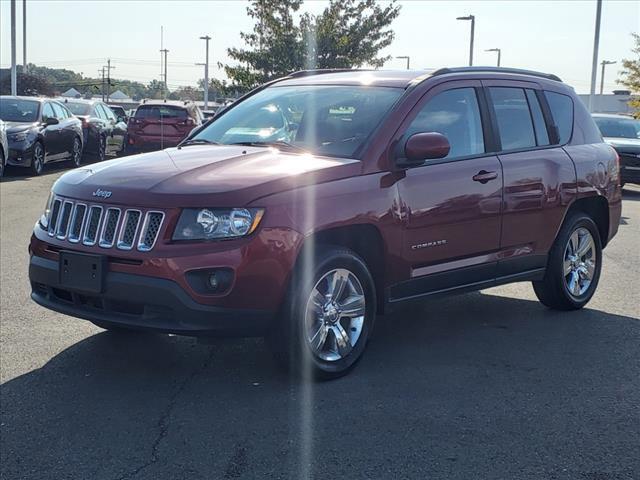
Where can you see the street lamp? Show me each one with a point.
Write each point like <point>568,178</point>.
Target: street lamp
<point>495,50</point>
<point>404,57</point>
<point>604,64</point>
<point>206,38</point>
<point>473,27</point>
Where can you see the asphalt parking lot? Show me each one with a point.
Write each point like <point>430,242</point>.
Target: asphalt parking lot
<point>488,385</point>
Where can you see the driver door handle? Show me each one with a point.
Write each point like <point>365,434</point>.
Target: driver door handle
<point>483,176</point>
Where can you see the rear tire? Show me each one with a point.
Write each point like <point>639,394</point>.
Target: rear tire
<point>37,160</point>
<point>574,265</point>
<point>327,317</point>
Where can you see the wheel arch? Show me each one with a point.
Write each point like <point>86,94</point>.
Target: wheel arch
<point>365,240</point>
<point>597,207</point>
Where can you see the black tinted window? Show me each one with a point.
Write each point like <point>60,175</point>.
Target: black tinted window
<point>562,111</point>
<point>514,119</point>
<point>542,137</point>
<point>160,111</point>
<point>456,115</point>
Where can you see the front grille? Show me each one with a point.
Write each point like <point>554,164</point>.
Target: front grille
<point>109,227</point>
<point>630,160</point>
<point>150,230</point>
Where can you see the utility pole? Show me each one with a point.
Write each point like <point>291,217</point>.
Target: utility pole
<point>473,29</point>
<point>206,38</point>
<point>14,73</point>
<point>108,67</point>
<point>101,71</point>
<point>594,64</point>
<point>604,64</point>
<point>24,36</point>
<point>164,51</point>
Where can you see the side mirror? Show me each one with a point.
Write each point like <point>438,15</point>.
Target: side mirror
<point>48,121</point>
<point>424,146</point>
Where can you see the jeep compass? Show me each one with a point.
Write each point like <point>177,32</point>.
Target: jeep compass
<point>324,198</point>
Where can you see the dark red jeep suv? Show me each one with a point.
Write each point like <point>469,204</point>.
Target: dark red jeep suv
<point>321,199</point>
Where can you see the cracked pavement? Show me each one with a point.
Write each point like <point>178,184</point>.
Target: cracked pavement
<point>487,385</point>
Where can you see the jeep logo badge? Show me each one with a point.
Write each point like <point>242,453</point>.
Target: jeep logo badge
<point>102,193</point>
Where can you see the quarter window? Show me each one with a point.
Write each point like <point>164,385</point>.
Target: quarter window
<point>561,107</point>
<point>515,125</point>
<point>454,114</point>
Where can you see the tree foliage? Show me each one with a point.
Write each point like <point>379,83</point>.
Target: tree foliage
<point>347,34</point>
<point>28,84</point>
<point>631,73</point>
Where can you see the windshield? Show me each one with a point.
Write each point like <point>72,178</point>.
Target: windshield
<point>78,108</point>
<point>18,110</point>
<point>326,120</point>
<point>618,127</point>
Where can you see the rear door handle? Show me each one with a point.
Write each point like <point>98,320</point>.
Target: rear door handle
<point>483,176</point>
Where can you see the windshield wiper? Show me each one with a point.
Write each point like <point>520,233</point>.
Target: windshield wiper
<point>198,141</point>
<point>275,143</point>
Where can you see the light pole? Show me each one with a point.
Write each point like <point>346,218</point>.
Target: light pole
<point>14,73</point>
<point>594,64</point>
<point>604,64</point>
<point>24,36</point>
<point>206,38</point>
<point>404,57</point>
<point>164,52</point>
<point>495,50</point>
<point>473,28</point>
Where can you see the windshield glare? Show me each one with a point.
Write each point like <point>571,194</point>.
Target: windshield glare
<point>18,110</point>
<point>326,120</point>
<point>618,127</point>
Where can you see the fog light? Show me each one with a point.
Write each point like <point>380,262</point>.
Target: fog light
<point>214,283</point>
<point>211,280</point>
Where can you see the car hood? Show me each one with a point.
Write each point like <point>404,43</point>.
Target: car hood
<point>197,176</point>
<point>624,144</point>
<point>15,127</point>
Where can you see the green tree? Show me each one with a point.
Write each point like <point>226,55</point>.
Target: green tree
<point>274,47</point>
<point>28,84</point>
<point>631,74</point>
<point>347,34</point>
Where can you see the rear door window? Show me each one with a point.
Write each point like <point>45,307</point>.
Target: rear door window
<point>561,107</point>
<point>542,136</point>
<point>515,125</point>
<point>156,112</point>
<point>453,113</point>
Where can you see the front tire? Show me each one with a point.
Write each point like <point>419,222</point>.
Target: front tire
<point>328,316</point>
<point>3,160</point>
<point>76,152</point>
<point>37,160</point>
<point>574,265</point>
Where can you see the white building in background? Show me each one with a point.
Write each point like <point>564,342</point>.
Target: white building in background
<point>72,93</point>
<point>616,102</point>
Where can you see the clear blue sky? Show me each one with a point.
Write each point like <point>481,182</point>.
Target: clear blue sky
<point>552,36</point>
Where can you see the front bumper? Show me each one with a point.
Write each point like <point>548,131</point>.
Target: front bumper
<point>20,154</point>
<point>141,302</point>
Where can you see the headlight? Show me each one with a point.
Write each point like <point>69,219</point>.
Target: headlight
<point>216,223</point>
<point>44,219</point>
<point>18,137</point>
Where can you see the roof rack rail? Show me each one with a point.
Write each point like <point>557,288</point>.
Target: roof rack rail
<point>548,76</point>
<point>320,71</point>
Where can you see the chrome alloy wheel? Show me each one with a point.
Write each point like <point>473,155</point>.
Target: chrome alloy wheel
<point>335,315</point>
<point>38,158</point>
<point>579,262</point>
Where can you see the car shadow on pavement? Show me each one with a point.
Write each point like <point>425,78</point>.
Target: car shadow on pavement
<point>14,174</point>
<point>463,387</point>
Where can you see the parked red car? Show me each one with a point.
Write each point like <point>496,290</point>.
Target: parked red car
<point>324,198</point>
<point>159,124</point>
